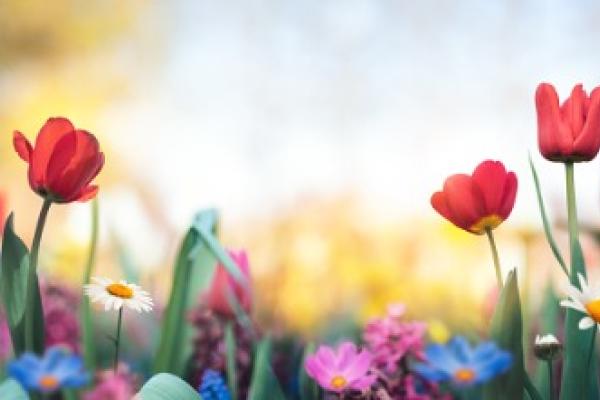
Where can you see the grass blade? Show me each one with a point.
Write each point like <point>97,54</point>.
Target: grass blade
<point>308,387</point>
<point>87,327</point>
<point>546,223</point>
<point>264,384</point>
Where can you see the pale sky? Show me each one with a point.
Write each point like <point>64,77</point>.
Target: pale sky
<point>247,105</point>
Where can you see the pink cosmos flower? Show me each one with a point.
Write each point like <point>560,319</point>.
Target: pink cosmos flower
<point>340,369</point>
<point>223,284</point>
<point>390,339</point>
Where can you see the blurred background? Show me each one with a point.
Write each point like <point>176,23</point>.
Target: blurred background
<point>319,130</point>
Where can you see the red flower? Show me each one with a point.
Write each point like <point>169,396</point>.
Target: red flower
<point>570,132</point>
<point>223,285</point>
<point>63,162</point>
<point>480,201</point>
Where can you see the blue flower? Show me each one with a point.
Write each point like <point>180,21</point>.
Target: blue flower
<point>213,387</point>
<point>57,369</point>
<point>463,365</point>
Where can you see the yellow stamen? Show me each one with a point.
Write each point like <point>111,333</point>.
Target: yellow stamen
<point>48,382</point>
<point>338,382</point>
<point>120,290</point>
<point>490,221</point>
<point>464,375</point>
<point>593,309</point>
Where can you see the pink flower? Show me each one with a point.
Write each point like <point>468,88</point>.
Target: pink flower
<point>60,315</point>
<point>390,339</point>
<point>223,285</point>
<point>341,369</point>
<point>119,386</point>
<point>5,341</point>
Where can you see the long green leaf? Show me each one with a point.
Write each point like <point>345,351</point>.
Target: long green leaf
<point>168,359</point>
<point>86,322</point>
<point>193,271</point>
<point>578,380</point>
<point>264,384</point>
<point>165,386</point>
<point>507,331</point>
<point>11,390</point>
<point>230,352</point>
<point>308,387</point>
<point>15,265</point>
<point>546,223</point>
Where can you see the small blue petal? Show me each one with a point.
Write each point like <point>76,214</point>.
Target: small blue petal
<point>461,349</point>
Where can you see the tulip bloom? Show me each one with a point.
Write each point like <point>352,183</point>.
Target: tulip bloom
<point>224,285</point>
<point>571,132</point>
<point>480,201</point>
<point>63,162</point>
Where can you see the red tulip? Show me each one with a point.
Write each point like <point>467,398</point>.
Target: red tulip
<point>63,162</point>
<point>480,201</point>
<point>570,132</point>
<point>224,285</point>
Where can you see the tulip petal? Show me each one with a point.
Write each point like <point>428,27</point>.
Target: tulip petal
<point>508,198</point>
<point>82,168</point>
<point>50,134</point>
<point>22,146</point>
<point>88,193</point>
<point>464,199</point>
<point>490,176</point>
<point>61,156</point>
<point>573,110</point>
<point>554,136</point>
<point>587,143</point>
<point>439,204</point>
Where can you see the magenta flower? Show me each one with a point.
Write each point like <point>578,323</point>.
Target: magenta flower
<point>390,339</point>
<point>341,369</point>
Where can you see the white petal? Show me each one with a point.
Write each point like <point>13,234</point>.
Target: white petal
<point>576,305</point>
<point>586,323</point>
<point>582,283</point>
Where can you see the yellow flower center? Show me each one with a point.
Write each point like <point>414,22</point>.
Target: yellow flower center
<point>338,382</point>
<point>120,290</point>
<point>464,375</point>
<point>593,309</point>
<point>490,221</point>
<point>48,382</point>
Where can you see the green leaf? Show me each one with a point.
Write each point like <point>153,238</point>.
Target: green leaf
<point>13,284</point>
<point>165,386</point>
<point>230,349</point>
<point>264,384</point>
<point>546,223</point>
<point>507,331</point>
<point>86,323</point>
<point>193,271</point>
<point>11,389</point>
<point>15,265</point>
<point>579,380</point>
<point>308,387</point>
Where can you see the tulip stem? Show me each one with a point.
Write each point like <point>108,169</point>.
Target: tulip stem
<point>572,214</point>
<point>118,338</point>
<point>490,235</point>
<point>32,278</point>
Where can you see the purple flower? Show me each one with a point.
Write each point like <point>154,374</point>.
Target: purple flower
<point>342,368</point>
<point>390,339</point>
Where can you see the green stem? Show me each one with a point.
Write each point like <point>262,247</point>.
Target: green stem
<point>551,380</point>
<point>32,275</point>
<point>118,339</point>
<point>87,334</point>
<point>490,236</point>
<point>591,350</point>
<point>571,214</point>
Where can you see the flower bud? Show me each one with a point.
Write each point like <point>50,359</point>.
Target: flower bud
<point>547,347</point>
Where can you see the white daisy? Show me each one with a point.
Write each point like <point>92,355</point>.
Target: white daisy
<point>117,294</point>
<point>585,300</point>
